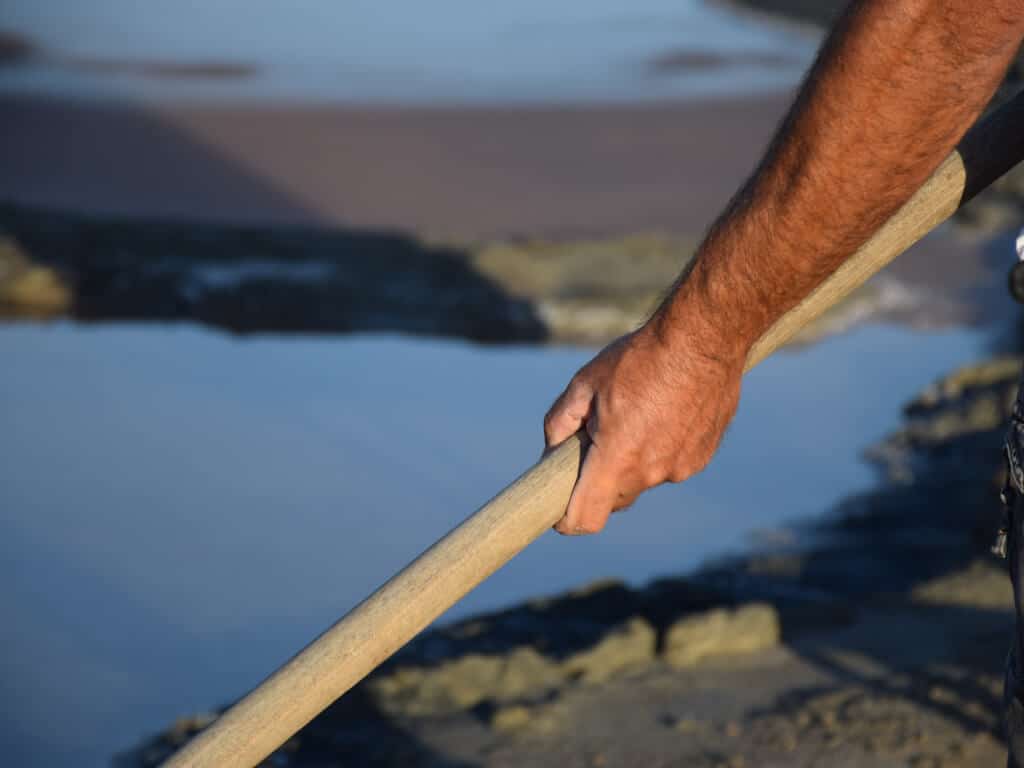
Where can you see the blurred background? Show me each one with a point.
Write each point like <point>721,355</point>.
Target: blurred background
<point>286,289</point>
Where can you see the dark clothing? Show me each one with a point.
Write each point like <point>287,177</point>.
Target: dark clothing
<point>1013,694</point>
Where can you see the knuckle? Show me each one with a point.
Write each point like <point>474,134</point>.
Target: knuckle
<point>652,470</point>
<point>577,386</point>
<point>678,474</point>
<point>651,476</point>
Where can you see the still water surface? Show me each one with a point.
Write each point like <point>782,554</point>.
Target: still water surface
<point>451,51</point>
<point>181,510</point>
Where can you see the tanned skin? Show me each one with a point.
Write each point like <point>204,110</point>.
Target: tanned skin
<point>894,88</point>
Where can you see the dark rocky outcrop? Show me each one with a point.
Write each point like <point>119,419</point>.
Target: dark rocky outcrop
<point>248,280</point>
<point>253,280</point>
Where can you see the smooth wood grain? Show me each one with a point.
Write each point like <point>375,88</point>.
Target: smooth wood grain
<point>344,654</point>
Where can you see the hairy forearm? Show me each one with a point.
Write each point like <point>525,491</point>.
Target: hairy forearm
<point>894,89</point>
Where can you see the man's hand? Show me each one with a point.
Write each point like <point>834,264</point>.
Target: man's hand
<point>655,412</point>
<point>894,88</point>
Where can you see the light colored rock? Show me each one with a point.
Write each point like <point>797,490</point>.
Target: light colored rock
<point>691,725</point>
<point>721,632</point>
<point>980,585</point>
<point>588,291</point>
<point>463,683</point>
<point>629,645</point>
<point>29,289</point>
<point>510,718</point>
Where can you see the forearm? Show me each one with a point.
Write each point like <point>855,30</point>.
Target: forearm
<point>894,89</point>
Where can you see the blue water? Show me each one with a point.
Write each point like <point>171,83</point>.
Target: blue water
<point>451,51</point>
<point>181,510</point>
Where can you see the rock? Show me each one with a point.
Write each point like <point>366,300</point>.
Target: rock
<point>690,725</point>
<point>965,381</point>
<point>250,279</point>
<point>973,401</point>
<point>624,647</point>
<point>510,718</point>
<point>462,683</point>
<point>980,585</point>
<point>588,290</point>
<point>28,289</point>
<point>721,632</point>
<point>36,292</point>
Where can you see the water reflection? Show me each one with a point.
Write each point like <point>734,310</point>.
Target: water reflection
<point>180,510</point>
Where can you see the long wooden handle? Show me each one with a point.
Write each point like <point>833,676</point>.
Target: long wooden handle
<point>437,579</point>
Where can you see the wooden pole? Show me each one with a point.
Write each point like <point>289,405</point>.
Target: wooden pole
<point>348,651</point>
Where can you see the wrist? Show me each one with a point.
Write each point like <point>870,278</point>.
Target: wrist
<point>697,318</point>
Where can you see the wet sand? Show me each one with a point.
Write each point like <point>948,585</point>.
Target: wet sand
<point>456,173</point>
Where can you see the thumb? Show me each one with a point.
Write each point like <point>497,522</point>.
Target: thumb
<point>568,413</point>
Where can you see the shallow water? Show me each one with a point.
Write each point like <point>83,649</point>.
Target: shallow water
<point>181,510</point>
<point>372,51</point>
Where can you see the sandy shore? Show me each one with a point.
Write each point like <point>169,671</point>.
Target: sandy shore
<point>459,173</point>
